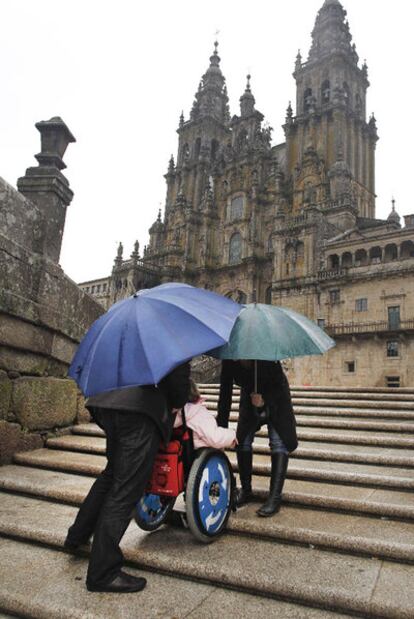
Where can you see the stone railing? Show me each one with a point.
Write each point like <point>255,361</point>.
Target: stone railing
<point>369,327</point>
<point>332,274</point>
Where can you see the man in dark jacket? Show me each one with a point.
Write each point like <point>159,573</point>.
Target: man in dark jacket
<point>135,421</point>
<point>267,401</point>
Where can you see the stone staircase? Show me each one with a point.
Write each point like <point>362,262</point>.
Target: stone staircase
<point>342,544</point>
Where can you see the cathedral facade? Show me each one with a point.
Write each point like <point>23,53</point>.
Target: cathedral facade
<point>291,224</point>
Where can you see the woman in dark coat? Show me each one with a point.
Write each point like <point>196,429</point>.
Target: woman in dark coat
<point>270,403</point>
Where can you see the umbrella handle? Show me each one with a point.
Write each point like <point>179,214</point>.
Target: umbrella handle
<point>255,375</point>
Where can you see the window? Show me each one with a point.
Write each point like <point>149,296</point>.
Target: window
<point>268,295</point>
<point>236,208</point>
<point>361,305</point>
<point>392,348</point>
<point>87,289</point>
<point>235,248</point>
<point>93,289</point>
<point>392,381</point>
<point>98,288</point>
<point>326,91</point>
<point>394,317</point>
<point>103,287</point>
<point>321,323</point>
<point>334,297</point>
<point>350,366</point>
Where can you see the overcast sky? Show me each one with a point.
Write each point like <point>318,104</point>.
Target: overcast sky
<point>119,74</point>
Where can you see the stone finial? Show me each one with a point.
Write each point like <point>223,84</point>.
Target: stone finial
<point>289,113</point>
<point>159,216</point>
<point>55,137</point>
<point>47,187</point>
<point>181,123</point>
<point>247,100</point>
<point>298,61</point>
<point>135,253</point>
<point>171,165</point>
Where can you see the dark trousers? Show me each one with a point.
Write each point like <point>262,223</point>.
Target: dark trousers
<point>132,442</point>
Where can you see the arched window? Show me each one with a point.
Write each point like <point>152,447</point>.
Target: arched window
<point>300,256</point>
<point>333,261</point>
<point>361,258</point>
<point>407,249</point>
<point>242,139</point>
<point>241,297</point>
<point>390,252</point>
<point>375,255</point>
<point>347,93</point>
<point>358,102</point>
<point>268,295</point>
<point>307,99</point>
<point>236,207</point>
<point>197,147</point>
<point>347,259</point>
<point>326,92</point>
<point>270,243</point>
<point>235,248</point>
<point>186,151</point>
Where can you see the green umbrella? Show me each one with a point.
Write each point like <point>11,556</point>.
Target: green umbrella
<point>272,333</point>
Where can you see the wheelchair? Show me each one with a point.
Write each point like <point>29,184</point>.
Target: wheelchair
<point>205,478</point>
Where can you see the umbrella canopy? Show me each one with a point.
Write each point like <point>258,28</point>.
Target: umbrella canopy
<point>271,333</point>
<point>141,339</point>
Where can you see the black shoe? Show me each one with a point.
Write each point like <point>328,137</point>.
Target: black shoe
<point>123,583</point>
<point>71,545</point>
<point>277,479</point>
<point>243,496</point>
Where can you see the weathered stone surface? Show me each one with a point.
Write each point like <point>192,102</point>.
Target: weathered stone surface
<point>24,362</point>
<point>5,394</point>
<point>44,403</point>
<point>83,415</point>
<point>13,438</point>
<point>64,595</point>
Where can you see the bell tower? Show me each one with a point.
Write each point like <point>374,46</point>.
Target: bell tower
<point>330,145</point>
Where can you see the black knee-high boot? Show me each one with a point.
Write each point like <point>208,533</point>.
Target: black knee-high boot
<point>244,461</point>
<point>277,479</point>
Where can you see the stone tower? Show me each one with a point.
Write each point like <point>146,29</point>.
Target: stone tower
<point>330,147</point>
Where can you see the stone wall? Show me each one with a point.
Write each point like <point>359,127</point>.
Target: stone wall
<point>43,315</point>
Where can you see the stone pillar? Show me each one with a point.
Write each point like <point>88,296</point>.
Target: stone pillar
<point>47,187</point>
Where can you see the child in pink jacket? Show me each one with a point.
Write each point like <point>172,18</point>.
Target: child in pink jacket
<point>206,432</point>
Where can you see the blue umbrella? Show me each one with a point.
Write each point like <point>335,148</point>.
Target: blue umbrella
<point>141,339</point>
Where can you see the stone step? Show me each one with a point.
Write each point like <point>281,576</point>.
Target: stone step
<point>314,451</point>
<point>341,582</point>
<point>359,414</point>
<point>356,424</point>
<point>63,594</point>
<point>330,395</point>
<point>344,472</point>
<point>335,403</point>
<point>397,391</point>
<point>406,426</point>
<point>322,495</point>
<point>363,534</point>
<point>323,436</point>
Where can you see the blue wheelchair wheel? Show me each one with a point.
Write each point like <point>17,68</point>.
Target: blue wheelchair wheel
<point>209,495</point>
<point>152,510</point>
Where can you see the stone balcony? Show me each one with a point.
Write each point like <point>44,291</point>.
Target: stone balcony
<point>376,327</point>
